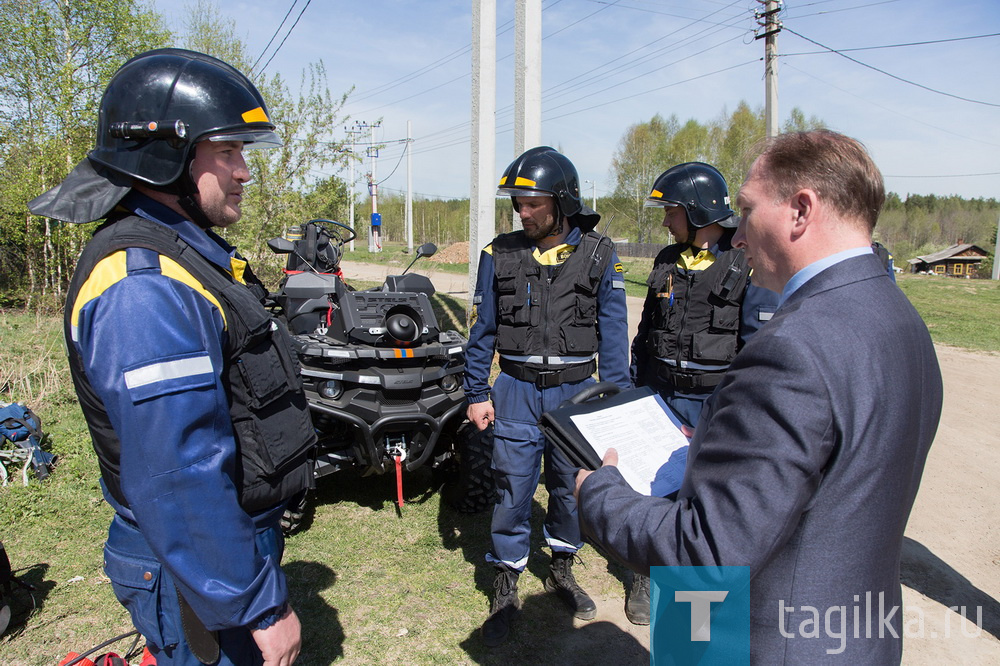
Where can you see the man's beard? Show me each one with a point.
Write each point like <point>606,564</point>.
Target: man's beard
<point>220,215</point>
<point>551,228</point>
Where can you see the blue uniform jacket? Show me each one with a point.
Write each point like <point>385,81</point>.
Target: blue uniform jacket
<point>612,324</point>
<point>139,311</point>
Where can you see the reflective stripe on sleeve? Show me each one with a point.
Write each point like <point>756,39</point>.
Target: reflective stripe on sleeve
<point>168,370</point>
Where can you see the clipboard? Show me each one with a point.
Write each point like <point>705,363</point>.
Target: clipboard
<point>558,427</point>
<point>652,458</point>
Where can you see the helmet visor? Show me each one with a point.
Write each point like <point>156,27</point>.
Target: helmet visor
<point>653,201</point>
<point>521,192</point>
<point>251,138</point>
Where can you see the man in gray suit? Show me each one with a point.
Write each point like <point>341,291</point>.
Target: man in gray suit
<point>806,462</point>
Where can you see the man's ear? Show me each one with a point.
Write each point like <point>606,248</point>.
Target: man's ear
<point>803,205</point>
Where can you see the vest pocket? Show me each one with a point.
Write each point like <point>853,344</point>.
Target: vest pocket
<point>268,461</point>
<point>263,374</point>
<point>719,347</point>
<point>725,318</point>
<point>513,310</point>
<point>585,311</point>
<point>580,339</point>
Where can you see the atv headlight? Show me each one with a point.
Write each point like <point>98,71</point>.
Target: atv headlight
<point>448,383</point>
<point>331,389</point>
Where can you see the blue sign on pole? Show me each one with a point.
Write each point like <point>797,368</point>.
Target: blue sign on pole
<point>376,219</point>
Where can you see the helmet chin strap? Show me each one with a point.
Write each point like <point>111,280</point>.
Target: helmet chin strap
<point>194,211</point>
<point>186,189</point>
<point>558,229</point>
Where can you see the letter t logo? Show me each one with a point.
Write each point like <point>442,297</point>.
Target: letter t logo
<point>701,606</point>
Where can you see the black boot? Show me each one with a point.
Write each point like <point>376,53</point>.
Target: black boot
<point>503,608</point>
<point>562,582</point>
<point>637,600</point>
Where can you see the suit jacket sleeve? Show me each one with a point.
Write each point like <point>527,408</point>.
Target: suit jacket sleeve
<point>753,467</point>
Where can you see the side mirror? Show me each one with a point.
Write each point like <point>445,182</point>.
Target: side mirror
<point>281,245</point>
<point>426,250</point>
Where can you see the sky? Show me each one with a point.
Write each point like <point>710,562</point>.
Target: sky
<point>929,113</point>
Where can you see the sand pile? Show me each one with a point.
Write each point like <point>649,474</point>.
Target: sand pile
<point>456,253</point>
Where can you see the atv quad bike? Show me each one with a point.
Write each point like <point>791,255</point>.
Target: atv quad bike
<point>383,381</point>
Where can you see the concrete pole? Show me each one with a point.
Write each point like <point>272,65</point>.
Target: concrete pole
<point>593,194</point>
<point>350,187</point>
<point>374,232</point>
<point>527,75</point>
<point>527,78</point>
<point>771,29</point>
<point>996,253</point>
<point>482,194</point>
<point>409,185</point>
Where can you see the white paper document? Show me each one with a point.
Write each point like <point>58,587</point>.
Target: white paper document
<point>652,450</point>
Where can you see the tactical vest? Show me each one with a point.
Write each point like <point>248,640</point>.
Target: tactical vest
<point>548,310</point>
<point>882,252</point>
<point>696,316</point>
<point>271,424</point>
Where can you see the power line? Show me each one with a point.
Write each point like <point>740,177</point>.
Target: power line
<point>893,76</point>
<point>502,29</point>
<point>893,111</point>
<point>894,46</point>
<point>306,6</point>
<point>398,162</point>
<point>687,57</point>
<point>645,58</point>
<point>276,31</point>
<point>646,92</point>
<point>844,9</point>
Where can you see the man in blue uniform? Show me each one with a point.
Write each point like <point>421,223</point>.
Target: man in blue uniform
<point>550,300</point>
<point>700,309</point>
<point>188,384</point>
<point>701,306</point>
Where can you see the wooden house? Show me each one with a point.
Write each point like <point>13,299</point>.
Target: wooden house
<point>961,260</point>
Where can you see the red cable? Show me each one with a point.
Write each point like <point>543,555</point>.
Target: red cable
<point>399,481</point>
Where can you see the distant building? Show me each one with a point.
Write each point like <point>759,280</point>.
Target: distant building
<point>960,260</point>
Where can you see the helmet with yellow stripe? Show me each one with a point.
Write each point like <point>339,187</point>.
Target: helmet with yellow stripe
<point>161,103</point>
<point>544,171</point>
<point>699,189</point>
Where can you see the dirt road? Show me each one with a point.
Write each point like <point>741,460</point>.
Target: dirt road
<point>951,557</point>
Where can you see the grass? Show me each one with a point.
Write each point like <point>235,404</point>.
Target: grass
<point>372,584</point>
<point>959,313</point>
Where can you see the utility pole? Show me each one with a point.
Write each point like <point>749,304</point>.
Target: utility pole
<point>771,27</point>
<point>374,229</point>
<point>409,185</point>
<point>350,178</point>
<point>996,253</point>
<point>593,194</point>
<point>527,79</point>
<point>482,197</point>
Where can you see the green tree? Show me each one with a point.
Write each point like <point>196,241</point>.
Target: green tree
<point>648,149</point>
<point>734,136</point>
<point>636,164</point>
<point>56,57</point>
<point>282,177</point>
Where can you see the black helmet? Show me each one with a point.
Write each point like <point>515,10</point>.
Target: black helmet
<point>162,102</point>
<point>700,189</point>
<point>543,171</point>
<point>156,107</point>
